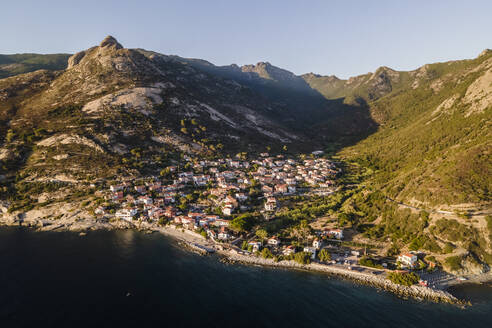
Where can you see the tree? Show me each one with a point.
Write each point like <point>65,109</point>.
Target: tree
<point>405,279</point>
<point>261,233</point>
<point>302,257</point>
<point>266,254</point>
<point>324,255</point>
<point>243,222</point>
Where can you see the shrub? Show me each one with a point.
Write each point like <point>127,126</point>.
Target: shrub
<point>324,255</point>
<point>453,263</point>
<point>405,279</point>
<point>302,257</point>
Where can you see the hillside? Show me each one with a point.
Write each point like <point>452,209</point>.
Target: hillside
<point>89,120</point>
<point>11,65</point>
<point>415,146</point>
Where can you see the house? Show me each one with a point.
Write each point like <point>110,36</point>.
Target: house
<point>256,245</point>
<point>241,196</point>
<point>227,209</point>
<point>221,223</point>
<point>116,188</point>
<point>317,243</point>
<point>118,195</point>
<point>335,233</point>
<point>274,241</point>
<point>100,210</point>
<point>289,250</point>
<point>126,213</point>
<point>223,234</point>
<point>408,260</point>
<point>195,216</point>
<point>231,200</point>
<point>145,200</point>
<point>170,212</point>
<point>140,189</point>
<point>271,204</point>
<point>311,250</point>
<point>212,234</point>
<point>281,189</point>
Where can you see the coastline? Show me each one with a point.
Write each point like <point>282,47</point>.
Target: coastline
<point>233,256</point>
<point>197,243</point>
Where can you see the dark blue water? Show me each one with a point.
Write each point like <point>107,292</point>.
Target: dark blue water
<point>65,280</point>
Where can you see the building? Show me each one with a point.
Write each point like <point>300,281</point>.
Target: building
<point>271,204</point>
<point>317,243</point>
<point>256,245</point>
<point>310,250</point>
<point>116,188</point>
<point>227,209</point>
<point>274,241</point>
<point>223,234</point>
<point>335,233</point>
<point>126,214</point>
<point>408,260</point>
<point>289,250</point>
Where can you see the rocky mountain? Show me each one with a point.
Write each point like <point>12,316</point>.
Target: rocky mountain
<point>84,121</point>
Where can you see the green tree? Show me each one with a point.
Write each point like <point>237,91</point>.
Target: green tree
<point>324,255</point>
<point>266,254</point>
<point>302,257</point>
<point>405,279</point>
<point>261,233</point>
<point>243,222</point>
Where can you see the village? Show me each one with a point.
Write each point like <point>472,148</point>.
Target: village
<point>210,197</point>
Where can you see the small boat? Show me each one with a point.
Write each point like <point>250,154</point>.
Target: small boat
<point>462,279</point>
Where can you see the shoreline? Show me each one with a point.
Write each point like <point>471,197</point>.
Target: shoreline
<point>199,244</point>
<point>233,256</point>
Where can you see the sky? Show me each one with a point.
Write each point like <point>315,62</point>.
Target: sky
<point>342,38</point>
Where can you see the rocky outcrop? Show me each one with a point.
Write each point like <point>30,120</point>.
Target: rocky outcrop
<point>110,41</point>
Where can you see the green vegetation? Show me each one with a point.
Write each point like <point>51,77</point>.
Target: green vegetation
<point>302,257</point>
<point>324,255</point>
<point>453,263</point>
<point>243,222</point>
<point>23,63</point>
<point>369,262</point>
<point>405,279</point>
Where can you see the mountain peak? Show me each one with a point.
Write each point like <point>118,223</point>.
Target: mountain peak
<point>485,52</point>
<point>110,41</point>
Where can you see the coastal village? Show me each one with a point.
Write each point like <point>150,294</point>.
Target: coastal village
<point>209,198</point>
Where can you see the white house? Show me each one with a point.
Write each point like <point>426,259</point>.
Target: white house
<point>289,250</point>
<point>126,214</point>
<point>271,204</point>
<point>256,245</point>
<point>223,234</point>
<point>274,241</point>
<point>336,233</point>
<point>310,250</point>
<point>408,259</point>
<point>317,243</point>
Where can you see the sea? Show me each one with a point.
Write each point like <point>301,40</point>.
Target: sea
<point>132,279</point>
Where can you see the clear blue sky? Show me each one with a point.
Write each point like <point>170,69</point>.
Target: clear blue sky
<point>344,38</point>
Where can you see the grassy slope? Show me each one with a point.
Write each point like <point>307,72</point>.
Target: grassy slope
<point>11,65</point>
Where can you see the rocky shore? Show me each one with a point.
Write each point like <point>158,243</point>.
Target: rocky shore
<point>416,292</point>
